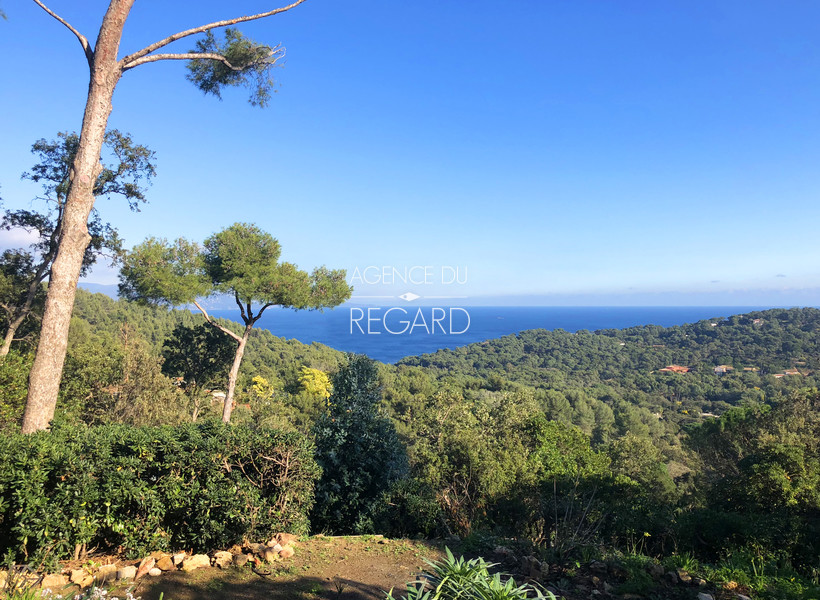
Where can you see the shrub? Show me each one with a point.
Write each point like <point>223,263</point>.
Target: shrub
<point>358,450</point>
<point>14,370</point>
<point>197,486</point>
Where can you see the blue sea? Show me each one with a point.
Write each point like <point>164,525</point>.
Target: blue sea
<point>389,337</point>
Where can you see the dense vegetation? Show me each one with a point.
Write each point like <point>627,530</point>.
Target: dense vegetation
<point>574,442</point>
<point>147,488</point>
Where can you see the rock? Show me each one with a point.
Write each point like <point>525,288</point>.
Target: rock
<point>286,539</point>
<point>223,559</point>
<point>632,597</point>
<point>195,562</point>
<point>158,555</point>
<point>684,576</point>
<point>531,567</point>
<point>656,571</point>
<point>730,585</point>
<point>3,576</point>
<point>87,581</point>
<point>178,558</point>
<point>672,578</point>
<point>286,552</point>
<point>698,581</point>
<point>258,549</point>
<point>270,556</point>
<point>607,587</point>
<point>77,576</point>
<point>55,582</point>
<point>105,574</point>
<point>146,564</point>
<point>240,559</point>
<point>742,597</point>
<point>166,563</point>
<point>155,572</point>
<point>502,551</point>
<point>129,572</point>
<point>703,596</point>
<point>596,566</point>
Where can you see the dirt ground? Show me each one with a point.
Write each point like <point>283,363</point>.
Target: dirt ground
<point>331,568</point>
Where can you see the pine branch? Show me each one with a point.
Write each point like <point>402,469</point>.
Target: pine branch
<point>210,320</point>
<point>128,61</point>
<point>89,53</point>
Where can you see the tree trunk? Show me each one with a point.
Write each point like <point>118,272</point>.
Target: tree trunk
<point>237,360</point>
<point>9,337</point>
<point>44,381</point>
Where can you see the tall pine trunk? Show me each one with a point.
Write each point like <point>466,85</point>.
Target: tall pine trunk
<point>44,381</point>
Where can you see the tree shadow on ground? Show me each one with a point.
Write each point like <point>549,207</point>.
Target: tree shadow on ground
<point>299,588</point>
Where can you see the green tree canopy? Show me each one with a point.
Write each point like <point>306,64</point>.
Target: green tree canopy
<point>126,169</point>
<point>200,356</point>
<point>240,261</point>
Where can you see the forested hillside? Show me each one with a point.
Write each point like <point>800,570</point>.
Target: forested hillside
<point>608,383</point>
<point>583,377</point>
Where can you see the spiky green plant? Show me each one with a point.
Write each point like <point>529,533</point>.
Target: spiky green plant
<point>460,579</point>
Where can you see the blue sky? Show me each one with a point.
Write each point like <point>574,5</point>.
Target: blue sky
<point>560,152</point>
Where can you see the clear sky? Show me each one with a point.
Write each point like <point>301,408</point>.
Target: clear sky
<point>625,152</point>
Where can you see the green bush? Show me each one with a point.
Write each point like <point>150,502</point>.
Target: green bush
<point>410,509</point>
<point>14,370</point>
<point>201,486</point>
<point>358,450</point>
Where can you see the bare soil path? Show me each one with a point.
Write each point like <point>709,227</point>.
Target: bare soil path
<point>330,568</point>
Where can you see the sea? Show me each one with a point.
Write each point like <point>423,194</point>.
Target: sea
<point>389,336</point>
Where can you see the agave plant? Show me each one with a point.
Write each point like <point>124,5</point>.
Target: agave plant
<point>460,579</point>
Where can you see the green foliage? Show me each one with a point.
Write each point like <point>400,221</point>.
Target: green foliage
<point>643,496</point>
<point>462,452</point>
<point>358,450</point>
<point>126,169</point>
<point>162,273</point>
<point>460,579</point>
<point>595,459</point>
<point>198,486</point>
<point>116,379</point>
<point>243,261</point>
<point>314,381</point>
<point>760,480</point>
<point>200,357</point>
<point>638,581</point>
<point>14,370</point>
<point>245,63</point>
<point>409,509</point>
<point>94,362</point>
<point>20,296</point>
<point>608,383</point>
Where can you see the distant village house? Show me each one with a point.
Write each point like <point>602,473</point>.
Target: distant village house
<point>675,369</point>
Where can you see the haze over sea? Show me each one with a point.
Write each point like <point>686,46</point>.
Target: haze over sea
<point>333,328</point>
